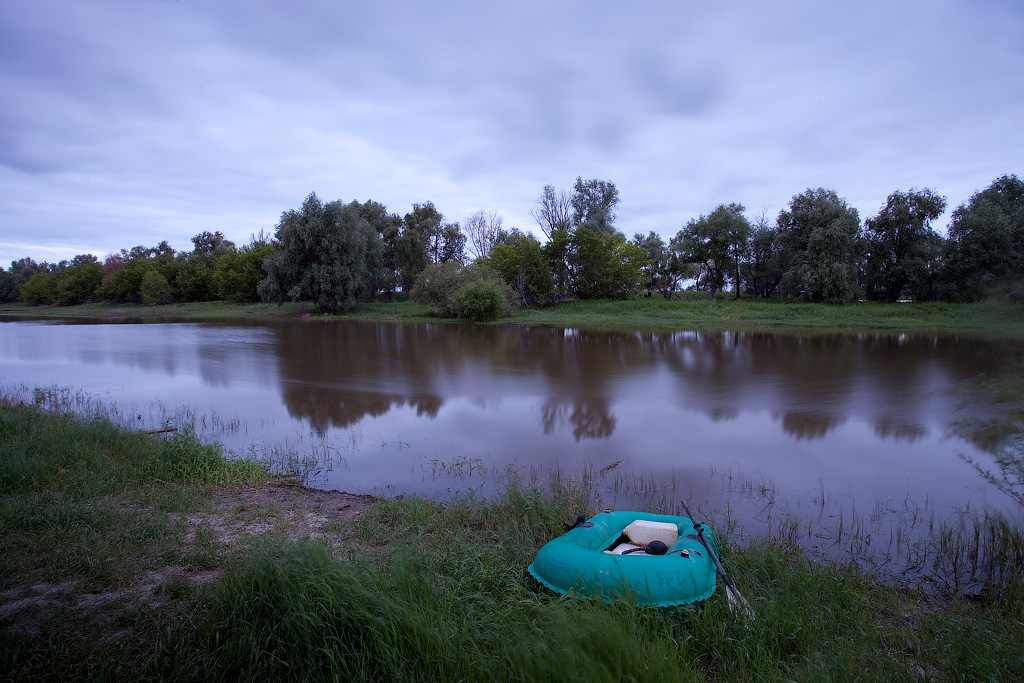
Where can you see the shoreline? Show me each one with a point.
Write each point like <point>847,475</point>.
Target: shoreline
<point>997,319</point>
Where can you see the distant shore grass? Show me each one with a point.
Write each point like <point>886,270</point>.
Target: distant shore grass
<point>91,513</point>
<point>694,312</point>
<point>656,314</point>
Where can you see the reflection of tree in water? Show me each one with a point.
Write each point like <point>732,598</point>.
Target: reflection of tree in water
<point>338,373</point>
<point>1008,452</point>
<point>890,429</point>
<point>589,420</point>
<point>1010,475</point>
<point>812,383</point>
<point>808,425</point>
<point>719,413</point>
<point>335,375</point>
<point>1001,435</point>
<point>325,407</point>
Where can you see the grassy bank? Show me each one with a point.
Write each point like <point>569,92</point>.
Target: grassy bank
<point>695,312</point>
<point>990,318</point>
<point>128,556</point>
<point>214,310</point>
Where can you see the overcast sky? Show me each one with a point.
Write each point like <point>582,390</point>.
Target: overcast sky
<point>126,122</point>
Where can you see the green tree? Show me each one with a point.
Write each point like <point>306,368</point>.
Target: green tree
<point>123,274</point>
<point>556,251</point>
<point>519,259</point>
<point>902,248</point>
<point>420,229</point>
<point>122,285</point>
<point>605,265</point>
<point>211,244</point>
<point>716,242</point>
<point>8,287</point>
<point>593,204</point>
<point>24,268</point>
<point>984,252</point>
<point>239,271</point>
<point>480,301</point>
<point>38,290</point>
<point>195,279</point>
<point>155,289</point>
<point>449,244</point>
<point>761,269</point>
<point>321,255</point>
<point>819,242</point>
<point>664,270</point>
<point>380,256</point>
<point>78,283</point>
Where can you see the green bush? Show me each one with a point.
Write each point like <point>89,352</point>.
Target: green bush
<point>479,301</point>
<point>454,290</point>
<point>38,290</point>
<point>436,285</point>
<point>155,289</point>
<point>239,272</point>
<point>77,284</point>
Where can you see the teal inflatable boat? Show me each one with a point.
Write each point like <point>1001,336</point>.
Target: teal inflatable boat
<point>656,560</point>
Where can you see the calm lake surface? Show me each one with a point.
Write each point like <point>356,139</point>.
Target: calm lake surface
<point>752,427</point>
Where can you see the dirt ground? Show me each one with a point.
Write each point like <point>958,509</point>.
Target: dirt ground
<point>239,513</point>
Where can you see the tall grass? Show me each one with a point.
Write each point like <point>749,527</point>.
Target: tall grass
<point>446,599</point>
<point>965,552</point>
<point>450,602</point>
<point>87,488</point>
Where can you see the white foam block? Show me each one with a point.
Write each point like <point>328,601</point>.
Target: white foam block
<point>642,532</point>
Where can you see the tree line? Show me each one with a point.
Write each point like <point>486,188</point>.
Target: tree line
<point>338,254</point>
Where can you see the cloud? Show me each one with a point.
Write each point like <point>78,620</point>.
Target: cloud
<point>142,121</point>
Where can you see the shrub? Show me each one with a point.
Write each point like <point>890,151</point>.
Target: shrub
<point>445,287</point>
<point>78,284</point>
<point>38,290</point>
<point>479,301</point>
<point>239,272</point>
<point>155,289</point>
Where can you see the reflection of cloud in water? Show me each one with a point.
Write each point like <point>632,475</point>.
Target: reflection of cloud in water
<point>589,420</point>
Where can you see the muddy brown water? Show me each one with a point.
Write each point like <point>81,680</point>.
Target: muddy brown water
<point>752,427</point>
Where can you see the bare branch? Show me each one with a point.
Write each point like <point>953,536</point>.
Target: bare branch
<point>481,229</point>
<point>553,210</point>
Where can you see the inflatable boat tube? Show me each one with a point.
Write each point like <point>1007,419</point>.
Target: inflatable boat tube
<point>616,555</point>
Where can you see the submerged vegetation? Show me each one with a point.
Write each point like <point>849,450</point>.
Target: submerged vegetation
<point>137,556</point>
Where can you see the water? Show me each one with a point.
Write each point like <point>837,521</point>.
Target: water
<point>752,427</point>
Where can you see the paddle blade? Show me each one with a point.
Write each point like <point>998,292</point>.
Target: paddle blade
<point>738,604</point>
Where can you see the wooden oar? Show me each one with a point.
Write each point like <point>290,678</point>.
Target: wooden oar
<point>736,600</point>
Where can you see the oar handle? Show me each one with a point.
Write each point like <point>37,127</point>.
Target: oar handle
<point>714,556</point>
<point>699,528</point>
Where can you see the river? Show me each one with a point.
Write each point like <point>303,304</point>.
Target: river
<point>752,427</point>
